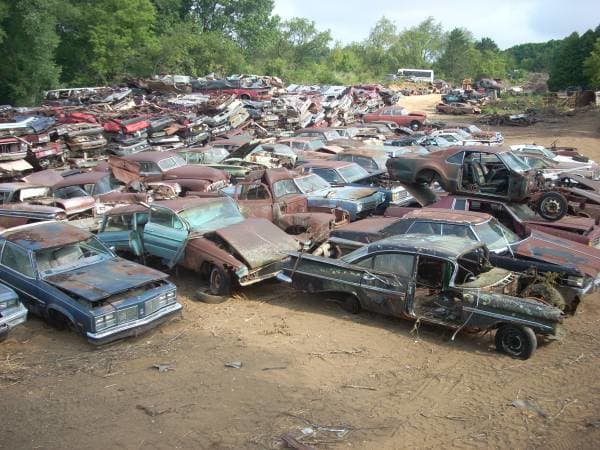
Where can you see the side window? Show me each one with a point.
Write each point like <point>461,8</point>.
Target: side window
<point>433,273</point>
<point>17,259</point>
<point>400,227</point>
<point>70,192</point>
<point>254,192</point>
<point>366,262</point>
<point>4,197</point>
<point>450,229</point>
<point>367,163</point>
<point>118,223</point>
<point>460,204</point>
<point>165,218</point>
<point>425,228</point>
<point>148,167</point>
<point>398,263</point>
<point>456,159</point>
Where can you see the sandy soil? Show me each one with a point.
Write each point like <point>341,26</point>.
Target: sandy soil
<point>380,382</point>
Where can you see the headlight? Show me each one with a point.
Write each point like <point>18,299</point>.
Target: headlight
<point>5,304</point>
<point>359,207</point>
<point>575,281</point>
<point>105,321</point>
<point>242,271</point>
<point>171,297</point>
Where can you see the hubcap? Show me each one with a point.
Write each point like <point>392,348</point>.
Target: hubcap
<point>552,206</point>
<point>513,343</point>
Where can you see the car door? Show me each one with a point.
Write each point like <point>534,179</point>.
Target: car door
<point>17,271</point>
<point>386,282</point>
<point>165,235</point>
<point>123,232</point>
<point>254,199</point>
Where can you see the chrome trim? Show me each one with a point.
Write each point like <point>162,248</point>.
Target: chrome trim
<point>506,318</point>
<point>136,323</point>
<point>17,317</point>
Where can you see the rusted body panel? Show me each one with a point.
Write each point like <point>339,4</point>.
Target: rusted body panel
<point>16,214</point>
<point>12,149</point>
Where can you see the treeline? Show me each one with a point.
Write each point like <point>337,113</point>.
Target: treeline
<point>50,43</point>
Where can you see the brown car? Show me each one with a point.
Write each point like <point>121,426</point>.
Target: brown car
<point>208,235</point>
<point>457,108</point>
<point>401,116</point>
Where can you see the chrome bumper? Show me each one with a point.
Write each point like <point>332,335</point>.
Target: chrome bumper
<point>16,316</point>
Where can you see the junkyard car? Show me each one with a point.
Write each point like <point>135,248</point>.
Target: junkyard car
<point>208,235</point>
<point>442,280</point>
<point>67,276</point>
<point>457,108</point>
<point>551,164</point>
<point>203,155</point>
<point>12,311</point>
<point>487,172</point>
<point>167,167</point>
<point>399,115</point>
<point>492,137</point>
<point>535,252</point>
<point>344,173</point>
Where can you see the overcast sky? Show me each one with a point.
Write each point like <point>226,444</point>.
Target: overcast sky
<point>508,22</point>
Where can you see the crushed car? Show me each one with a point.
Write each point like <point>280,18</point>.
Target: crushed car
<point>67,276</point>
<point>441,280</point>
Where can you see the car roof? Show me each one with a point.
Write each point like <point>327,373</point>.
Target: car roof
<point>447,215</point>
<point>43,235</point>
<point>450,247</point>
<point>328,164</point>
<point>82,178</point>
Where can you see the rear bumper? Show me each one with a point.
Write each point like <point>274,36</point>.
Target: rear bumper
<point>136,327</point>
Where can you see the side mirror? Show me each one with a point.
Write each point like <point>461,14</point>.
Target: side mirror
<point>112,248</point>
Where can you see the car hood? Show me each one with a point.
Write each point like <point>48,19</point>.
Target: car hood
<point>344,193</point>
<point>196,172</point>
<point>101,280</point>
<point>562,252</point>
<point>258,242</point>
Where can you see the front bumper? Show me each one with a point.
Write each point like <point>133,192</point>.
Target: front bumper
<point>13,316</point>
<point>135,327</point>
<point>264,273</point>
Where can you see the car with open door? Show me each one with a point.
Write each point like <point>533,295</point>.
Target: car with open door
<point>482,171</point>
<point>441,280</point>
<point>207,235</point>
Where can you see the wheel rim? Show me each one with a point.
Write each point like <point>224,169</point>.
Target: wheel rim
<point>215,281</point>
<point>513,342</point>
<point>551,206</point>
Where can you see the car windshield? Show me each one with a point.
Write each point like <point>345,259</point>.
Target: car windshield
<point>311,183</point>
<point>536,163</point>
<point>474,129</point>
<point>548,154</point>
<point>495,235</point>
<point>285,187</point>
<point>448,137</point>
<point>70,256</point>
<point>331,135</point>
<point>353,172</point>
<point>35,192</point>
<point>315,144</point>
<point>104,185</point>
<point>513,162</point>
<point>171,163</point>
<point>463,133</point>
<point>212,216</point>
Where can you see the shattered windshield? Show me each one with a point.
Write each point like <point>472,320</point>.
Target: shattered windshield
<point>311,183</point>
<point>172,162</point>
<point>213,215</point>
<point>495,235</point>
<point>513,162</point>
<point>70,256</point>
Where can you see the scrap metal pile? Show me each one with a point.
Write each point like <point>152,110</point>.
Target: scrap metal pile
<point>338,190</point>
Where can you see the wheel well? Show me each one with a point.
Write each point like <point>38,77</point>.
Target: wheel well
<point>427,176</point>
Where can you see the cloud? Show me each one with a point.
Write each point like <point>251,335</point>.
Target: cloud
<point>508,22</point>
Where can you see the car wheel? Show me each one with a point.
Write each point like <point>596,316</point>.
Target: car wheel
<point>552,206</point>
<point>549,294</point>
<point>59,321</point>
<point>516,341</point>
<point>219,282</point>
<point>415,125</point>
<point>351,304</point>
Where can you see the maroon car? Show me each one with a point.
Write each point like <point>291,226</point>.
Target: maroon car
<point>401,116</point>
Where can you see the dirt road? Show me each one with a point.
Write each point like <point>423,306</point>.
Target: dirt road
<point>355,381</point>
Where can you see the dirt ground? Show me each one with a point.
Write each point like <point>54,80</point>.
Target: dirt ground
<point>354,381</point>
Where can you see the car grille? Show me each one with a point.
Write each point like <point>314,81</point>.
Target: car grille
<point>400,194</point>
<point>155,304</point>
<point>127,314</point>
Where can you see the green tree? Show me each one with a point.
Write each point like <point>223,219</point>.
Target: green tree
<point>28,49</point>
<point>486,44</point>
<point>420,46</point>
<point>592,65</point>
<point>460,57</point>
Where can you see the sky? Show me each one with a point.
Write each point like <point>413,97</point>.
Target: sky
<point>507,22</point>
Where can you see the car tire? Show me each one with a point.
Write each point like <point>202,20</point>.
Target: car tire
<point>415,125</point>
<point>552,206</point>
<point>59,321</point>
<point>548,294</point>
<point>219,282</point>
<point>204,297</point>
<point>516,341</point>
<point>351,304</point>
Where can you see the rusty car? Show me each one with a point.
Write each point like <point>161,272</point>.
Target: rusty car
<point>168,167</point>
<point>290,210</point>
<point>207,235</point>
<point>12,311</point>
<point>534,254</point>
<point>401,116</point>
<point>457,108</point>
<point>67,276</point>
<point>482,171</point>
<point>442,280</point>
<point>551,164</point>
